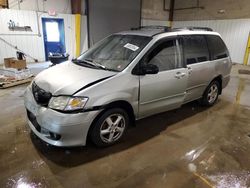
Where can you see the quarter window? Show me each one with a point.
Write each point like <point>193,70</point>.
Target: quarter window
<point>195,49</point>
<point>216,47</point>
<point>165,56</point>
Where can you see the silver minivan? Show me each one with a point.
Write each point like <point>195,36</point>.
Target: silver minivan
<point>125,77</point>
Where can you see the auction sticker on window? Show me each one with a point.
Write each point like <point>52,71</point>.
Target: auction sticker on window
<point>131,47</point>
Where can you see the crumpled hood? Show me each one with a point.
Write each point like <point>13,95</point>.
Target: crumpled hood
<point>67,78</point>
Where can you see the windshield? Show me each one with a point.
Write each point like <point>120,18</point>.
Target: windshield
<point>115,52</point>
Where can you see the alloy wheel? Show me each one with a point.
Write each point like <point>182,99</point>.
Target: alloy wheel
<point>112,128</point>
<point>212,93</point>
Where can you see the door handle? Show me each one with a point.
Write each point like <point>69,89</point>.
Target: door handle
<point>190,70</point>
<point>180,75</point>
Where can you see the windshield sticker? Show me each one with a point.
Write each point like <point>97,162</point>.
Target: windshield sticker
<point>131,47</point>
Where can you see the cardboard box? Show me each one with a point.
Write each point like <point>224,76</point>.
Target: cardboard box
<point>17,64</point>
<point>3,3</point>
<point>14,63</point>
<point>7,62</point>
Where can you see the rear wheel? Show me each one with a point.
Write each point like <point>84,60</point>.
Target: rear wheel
<point>109,127</point>
<point>211,94</point>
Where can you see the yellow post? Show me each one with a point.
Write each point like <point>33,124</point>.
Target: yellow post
<point>247,51</point>
<point>78,33</point>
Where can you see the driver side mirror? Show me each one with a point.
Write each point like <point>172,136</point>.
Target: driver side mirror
<point>145,68</point>
<point>150,69</point>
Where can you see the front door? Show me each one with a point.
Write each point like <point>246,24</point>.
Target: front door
<point>166,89</point>
<point>53,34</point>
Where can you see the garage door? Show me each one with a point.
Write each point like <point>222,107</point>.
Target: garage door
<point>110,16</point>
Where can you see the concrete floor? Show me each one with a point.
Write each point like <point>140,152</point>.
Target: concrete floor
<point>189,147</point>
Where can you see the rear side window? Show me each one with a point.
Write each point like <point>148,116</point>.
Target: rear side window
<point>195,49</point>
<point>216,47</point>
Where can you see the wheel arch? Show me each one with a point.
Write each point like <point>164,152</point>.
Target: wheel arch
<point>116,104</point>
<point>219,79</point>
<point>125,106</point>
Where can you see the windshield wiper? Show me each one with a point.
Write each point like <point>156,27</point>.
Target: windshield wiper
<point>84,61</point>
<point>94,64</point>
<point>104,67</point>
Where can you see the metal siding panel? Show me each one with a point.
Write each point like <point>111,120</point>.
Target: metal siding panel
<point>33,45</point>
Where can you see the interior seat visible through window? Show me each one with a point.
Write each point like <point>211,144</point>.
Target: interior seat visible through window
<point>217,47</point>
<point>165,56</point>
<point>195,49</point>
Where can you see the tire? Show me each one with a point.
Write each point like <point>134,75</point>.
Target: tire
<point>110,127</point>
<point>211,94</point>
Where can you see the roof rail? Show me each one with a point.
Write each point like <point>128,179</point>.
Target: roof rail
<point>194,28</point>
<point>164,28</point>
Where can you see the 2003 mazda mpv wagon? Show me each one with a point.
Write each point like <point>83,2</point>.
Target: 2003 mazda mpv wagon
<point>125,77</point>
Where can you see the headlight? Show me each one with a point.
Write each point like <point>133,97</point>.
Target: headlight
<point>67,103</point>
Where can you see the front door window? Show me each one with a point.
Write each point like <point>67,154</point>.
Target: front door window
<point>165,56</point>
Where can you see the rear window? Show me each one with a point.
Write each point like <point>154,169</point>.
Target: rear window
<point>216,47</point>
<point>195,49</point>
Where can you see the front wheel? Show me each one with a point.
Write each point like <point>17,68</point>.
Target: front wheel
<point>109,127</point>
<point>211,94</point>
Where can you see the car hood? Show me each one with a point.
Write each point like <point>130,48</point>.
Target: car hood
<point>68,78</point>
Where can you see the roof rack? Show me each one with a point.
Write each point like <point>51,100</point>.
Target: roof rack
<point>194,28</point>
<point>164,28</point>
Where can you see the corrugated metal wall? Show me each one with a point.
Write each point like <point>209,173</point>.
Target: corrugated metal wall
<point>234,32</point>
<point>30,42</point>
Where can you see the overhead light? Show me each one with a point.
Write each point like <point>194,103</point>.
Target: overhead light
<point>221,11</point>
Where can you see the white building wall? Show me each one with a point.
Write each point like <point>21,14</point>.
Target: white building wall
<point>60,6</point>
<point>234,32</point>
<point>84,34</point>
<point>30,42</point>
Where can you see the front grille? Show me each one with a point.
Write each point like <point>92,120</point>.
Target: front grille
<point>33,120</point>
<point>41,96</point>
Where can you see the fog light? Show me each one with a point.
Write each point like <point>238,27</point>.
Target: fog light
<point>54,136</point>
<point>44,131</point>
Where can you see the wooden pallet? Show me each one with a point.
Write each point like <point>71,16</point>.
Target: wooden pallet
<point>12,83</point>
<point>244,71</point>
